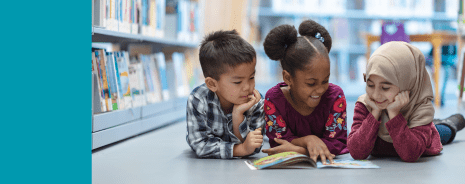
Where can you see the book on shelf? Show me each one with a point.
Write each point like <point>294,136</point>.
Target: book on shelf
<point>152,84</point>
<point>181,83</point>
<point>99,13</point>
<point>124,87</point>
<point>161,64</point>
<point>152,16</point>
<point>294,160</point>
<point>124,82</point>
<point>182,11</point>
<point>136,79</point>
<point>111,75</point>
<point>97,85</point>
<point>148,17</point>
<point>160,18</point>
<point>101,57</point>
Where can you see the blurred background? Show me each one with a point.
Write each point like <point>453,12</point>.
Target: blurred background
<point>169,32</point>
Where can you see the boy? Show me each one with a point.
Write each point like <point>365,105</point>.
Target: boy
<point>225,114</point>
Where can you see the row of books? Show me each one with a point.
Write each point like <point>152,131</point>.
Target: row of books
<point>392,8</point>
<point>147,17</point>
<point>125,82</point>
<point>309,6</point>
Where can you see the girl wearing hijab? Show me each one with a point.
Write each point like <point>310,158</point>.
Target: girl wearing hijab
<point>395,116</point>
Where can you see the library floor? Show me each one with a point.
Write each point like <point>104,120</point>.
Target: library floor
<point>163,156</point>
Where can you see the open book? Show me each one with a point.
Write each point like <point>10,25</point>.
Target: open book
<point>297,160</point>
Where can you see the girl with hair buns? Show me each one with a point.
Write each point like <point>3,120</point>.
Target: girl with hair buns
<point>305,113</point>
<point>395,116</point>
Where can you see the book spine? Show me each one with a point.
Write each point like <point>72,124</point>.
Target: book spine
<point>100,81</point>
<point>120,99</point>
<point>162,70</point>
<point>156,79</point>
<point>105,80</point>
<point>124,76</point>
<point>95,70</point>
<point>152,17</point>
<point>160,23</point>
<point>111,81</point>
<point>177,62</point>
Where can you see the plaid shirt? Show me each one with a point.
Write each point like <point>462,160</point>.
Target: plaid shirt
<point>210,131</point>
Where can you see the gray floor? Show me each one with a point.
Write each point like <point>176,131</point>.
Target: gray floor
<point>163,156</point>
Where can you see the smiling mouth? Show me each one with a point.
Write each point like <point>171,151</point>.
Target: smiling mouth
<point>315,97</point>
<point>380,102</point>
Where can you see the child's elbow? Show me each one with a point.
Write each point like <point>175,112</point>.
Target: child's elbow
<point>358,156</point>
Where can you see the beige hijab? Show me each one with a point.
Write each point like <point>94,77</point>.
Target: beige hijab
<point>404,66</point>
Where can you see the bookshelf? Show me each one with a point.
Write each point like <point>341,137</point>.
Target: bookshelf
<point>348,20</point>
<point>103,35</point>
<point>117,125</point>
<point>353,14</point>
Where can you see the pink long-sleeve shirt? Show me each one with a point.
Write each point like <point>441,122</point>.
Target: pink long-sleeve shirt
<point>407,143</point>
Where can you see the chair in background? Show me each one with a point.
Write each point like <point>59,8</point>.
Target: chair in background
<point>393,31</point>
<point>448,61</point>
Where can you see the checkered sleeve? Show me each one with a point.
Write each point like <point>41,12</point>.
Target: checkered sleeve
<point>199,132</point>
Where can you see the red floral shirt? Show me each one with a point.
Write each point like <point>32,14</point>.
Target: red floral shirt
<point>327,121</point>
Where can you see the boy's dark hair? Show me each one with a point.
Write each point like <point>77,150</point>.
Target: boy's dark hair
<point>222,49</point>
<point>282,44</point>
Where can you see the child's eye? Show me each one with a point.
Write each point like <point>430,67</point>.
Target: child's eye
<point>370,86</point>
<point>385,89</point>
<point>253,77</point>
<point>324,82</point>
<point>237,82</point>
<point>311,85</point>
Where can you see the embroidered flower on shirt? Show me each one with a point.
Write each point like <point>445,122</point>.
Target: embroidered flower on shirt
<point>340,104</point>
<point>269,107</point>
<point>278,135</point>
<point>269,123</point>
<point>280,121</point>
<point>332,134</point>
<point>344,115</point>
<point>340,120</point>
<point>330,120</point>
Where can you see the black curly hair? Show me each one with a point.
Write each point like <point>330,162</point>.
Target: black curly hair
<point>221,49</point>
<point>282,44</point>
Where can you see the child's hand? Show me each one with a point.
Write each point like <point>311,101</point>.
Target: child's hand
<point>283,147</point>
<point>316,147</point>
<point>253,140</point>
<point>254,98</point>
<point>371,103</point>
<point>375,111</point>
<point>400,101</point>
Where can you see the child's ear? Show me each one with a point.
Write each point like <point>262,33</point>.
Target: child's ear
<point>365,77</point>
<point>212,84</point>
<point>287,77</point>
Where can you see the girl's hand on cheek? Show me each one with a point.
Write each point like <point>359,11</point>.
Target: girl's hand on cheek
<point>371,103</point>
<point>375,111</point>
<point>400,101</point>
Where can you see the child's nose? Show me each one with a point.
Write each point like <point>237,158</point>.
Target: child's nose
<point>377,94</point>
<point>246,86</point>
<point>320,90</point>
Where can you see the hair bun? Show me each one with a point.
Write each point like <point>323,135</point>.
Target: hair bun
<point>277,41</point>
<point>311,28</point>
